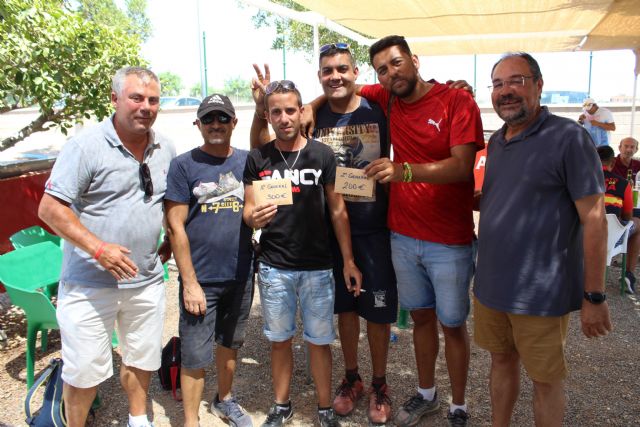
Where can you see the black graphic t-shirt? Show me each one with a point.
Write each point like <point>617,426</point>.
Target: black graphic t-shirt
<point>296,238</point>
<point>355,139</point>
<point>220,241</point>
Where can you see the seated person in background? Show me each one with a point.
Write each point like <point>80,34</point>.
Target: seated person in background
<point>625,162</point>
<point>618,200</point>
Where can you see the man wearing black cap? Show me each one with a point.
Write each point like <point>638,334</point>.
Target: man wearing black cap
<point>211,243</point>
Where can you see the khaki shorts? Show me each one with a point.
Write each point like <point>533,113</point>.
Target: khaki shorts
<point>538,340</point>
<point>87,317</point>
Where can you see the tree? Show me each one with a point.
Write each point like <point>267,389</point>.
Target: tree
<point>237,89</point>
<point>170,83</point>
<point>299,36</point>
<point>54,58</point>
<point>133,21</point>
<point>195,90</point>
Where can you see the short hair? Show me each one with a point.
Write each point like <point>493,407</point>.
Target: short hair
<point>606,153</point>
<point>144,74</point>
<point>628,138</point>
<point>387,42</point>
<point>333,51</point>
<point>534,68</point>
<point>282,89</point>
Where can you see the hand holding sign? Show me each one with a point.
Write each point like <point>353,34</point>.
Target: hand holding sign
<point>273,191</point>
<point>353,182</point>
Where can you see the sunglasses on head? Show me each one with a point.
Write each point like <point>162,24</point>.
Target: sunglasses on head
<point>341,46</point>
<point>209,118</point>
<point>285,85</point>
<point>145,175</point>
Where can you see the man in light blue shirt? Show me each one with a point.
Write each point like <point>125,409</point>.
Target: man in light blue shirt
<point>598,121</point>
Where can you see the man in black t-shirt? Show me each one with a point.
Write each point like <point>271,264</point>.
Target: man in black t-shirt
<point>295,265</point>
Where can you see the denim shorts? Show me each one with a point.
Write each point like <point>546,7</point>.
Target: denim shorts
<point>225,321</point>
<point>280,291</point>
<point>433,275</point>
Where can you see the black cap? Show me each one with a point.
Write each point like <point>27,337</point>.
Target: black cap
<point>216,102</point>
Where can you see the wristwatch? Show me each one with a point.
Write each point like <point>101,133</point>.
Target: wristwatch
<point>595,297</point>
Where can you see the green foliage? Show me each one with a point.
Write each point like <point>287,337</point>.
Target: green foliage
<point>195,90</point>
<point>237,89</point>
<point>170,83</point>
<point>299,36</point>
<point>54,58</point>
<point>133,21</point>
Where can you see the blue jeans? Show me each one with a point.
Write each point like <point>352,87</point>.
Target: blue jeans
<point>433,275</point>
<point>280,291</point>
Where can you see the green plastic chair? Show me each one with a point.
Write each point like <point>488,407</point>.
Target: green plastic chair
<point>24,272</point>
<point>32,235</point>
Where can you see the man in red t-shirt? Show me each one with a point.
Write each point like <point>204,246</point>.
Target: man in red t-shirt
<point>435,133</point>
<point>625,161</point>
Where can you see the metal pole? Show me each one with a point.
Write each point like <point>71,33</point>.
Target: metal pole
<point>475,75</point>
<point>203,88</point>
<point>590,65</point>
<point>204,59</point>
<point>636,71</point>
<point>284,51</point>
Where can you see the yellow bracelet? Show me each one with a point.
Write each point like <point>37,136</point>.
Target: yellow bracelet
<point>407,175</point>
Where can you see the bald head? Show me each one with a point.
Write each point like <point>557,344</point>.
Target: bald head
<point>628,148</point>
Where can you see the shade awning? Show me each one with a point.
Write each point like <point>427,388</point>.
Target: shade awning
<point>446,27</point>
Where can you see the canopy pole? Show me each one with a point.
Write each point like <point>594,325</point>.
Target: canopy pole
<point>635,87</point>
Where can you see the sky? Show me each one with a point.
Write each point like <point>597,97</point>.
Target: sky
<point>233,44</point>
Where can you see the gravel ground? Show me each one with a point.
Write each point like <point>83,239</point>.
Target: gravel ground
<point>602,388</point>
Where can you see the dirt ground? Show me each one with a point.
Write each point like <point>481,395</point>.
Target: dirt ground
<point>603,386</point>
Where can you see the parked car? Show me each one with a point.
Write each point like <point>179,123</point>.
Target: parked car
<point>178,101</point>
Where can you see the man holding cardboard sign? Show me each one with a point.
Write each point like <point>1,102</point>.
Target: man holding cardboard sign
<point>295,262</point>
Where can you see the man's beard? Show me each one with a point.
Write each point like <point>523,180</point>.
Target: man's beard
<point>513,117</point>
<point>411,85</point>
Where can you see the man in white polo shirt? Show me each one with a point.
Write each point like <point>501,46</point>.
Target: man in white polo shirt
<point>104,197</point>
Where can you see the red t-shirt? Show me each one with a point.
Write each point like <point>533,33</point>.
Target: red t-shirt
<point>424,132</point>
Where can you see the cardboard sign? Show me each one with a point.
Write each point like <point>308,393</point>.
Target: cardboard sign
<point>275,191</point>
<point>353,182</point>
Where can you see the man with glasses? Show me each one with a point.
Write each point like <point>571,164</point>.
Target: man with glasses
<point>542,244</point>
<point>212,248</point>
<point>598,121</point>
<point>295,264</point>
<point>104,197</point>
<point>356,131</point>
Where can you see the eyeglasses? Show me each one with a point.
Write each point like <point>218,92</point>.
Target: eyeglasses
<point>340,46</point>
<point>285,85</point>
<point>517,81</point>
<point>145,175</point>
<point>209,118</point>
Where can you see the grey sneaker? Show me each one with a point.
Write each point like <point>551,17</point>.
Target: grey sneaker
<point>230,411</point>
<point>458,418</point>
<point>277,416</point>
<point>328,418</point>
<point>415,408</point>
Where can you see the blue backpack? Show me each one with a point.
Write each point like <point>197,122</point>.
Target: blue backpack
<point>51,413</point>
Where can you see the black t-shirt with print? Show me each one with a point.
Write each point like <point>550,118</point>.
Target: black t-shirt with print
<point>296,238</point>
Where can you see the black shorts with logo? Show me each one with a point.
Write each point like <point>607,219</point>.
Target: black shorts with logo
<point>372,254</point>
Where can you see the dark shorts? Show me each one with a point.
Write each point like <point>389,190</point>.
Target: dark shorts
<point>225,321</point>
<point>372,253</point>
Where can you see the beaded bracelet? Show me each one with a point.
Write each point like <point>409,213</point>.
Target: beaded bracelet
<point>407,174</point>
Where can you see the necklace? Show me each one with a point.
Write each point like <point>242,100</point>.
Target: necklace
<point>285,160</point>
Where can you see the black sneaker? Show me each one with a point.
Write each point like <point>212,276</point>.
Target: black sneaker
<point>328,418</point>
<point>630,280</point>
<point>278,416</point>
<point>458,418</point>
